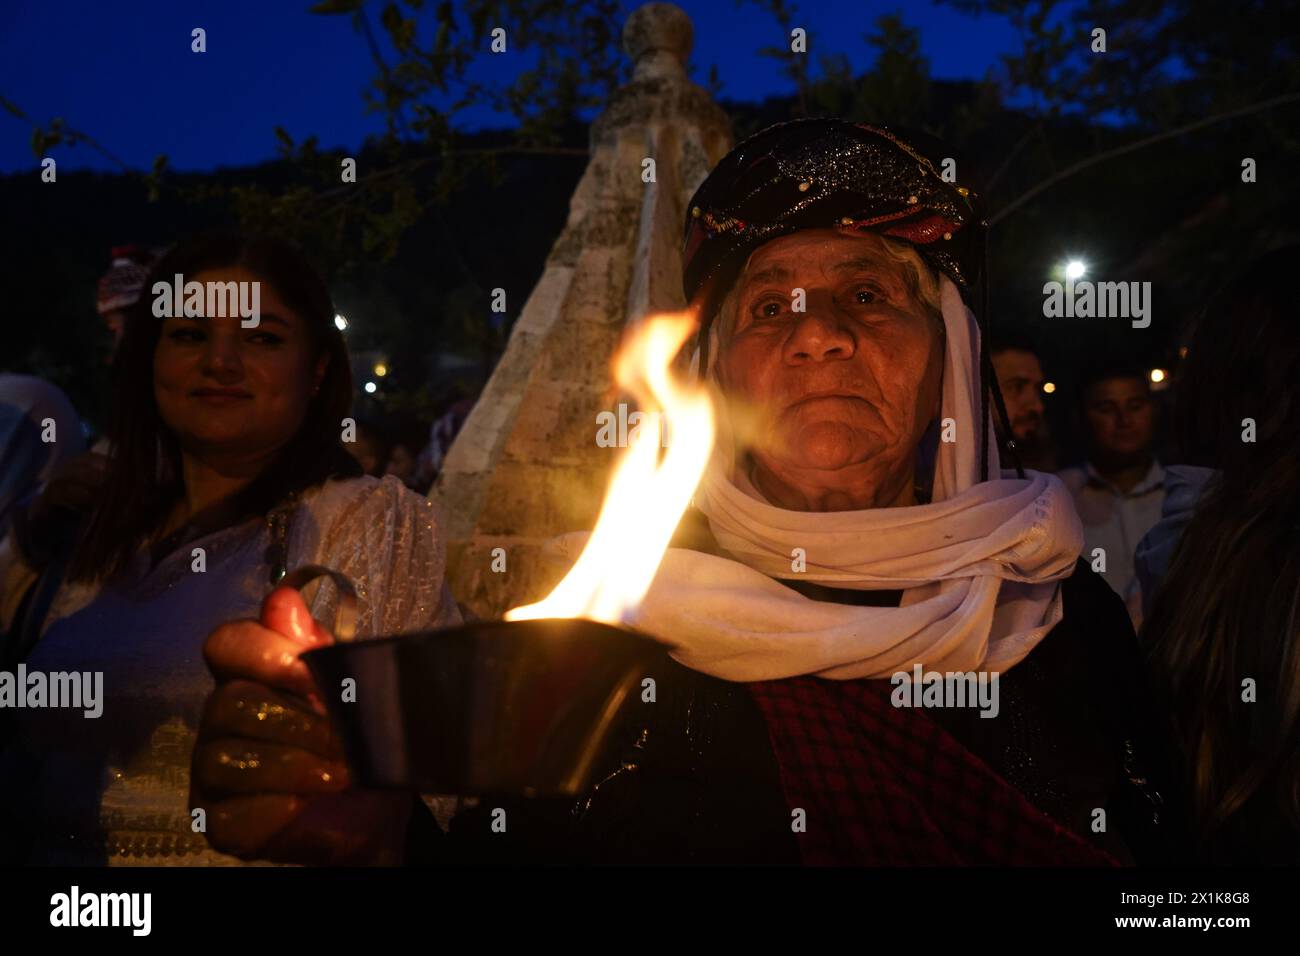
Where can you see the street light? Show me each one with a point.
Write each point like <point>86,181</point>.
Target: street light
<point>371,387</point>
<point>1074,269</point>
<point>340,323</point>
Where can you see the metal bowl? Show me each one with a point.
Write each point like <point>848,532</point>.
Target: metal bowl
<point>519,708</point>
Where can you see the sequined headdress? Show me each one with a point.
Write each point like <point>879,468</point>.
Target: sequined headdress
<point>828,173</point>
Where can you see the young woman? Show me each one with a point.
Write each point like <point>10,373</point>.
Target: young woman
<point>228,467</point>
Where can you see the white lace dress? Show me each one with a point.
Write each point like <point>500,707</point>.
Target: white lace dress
<point>114,790</point>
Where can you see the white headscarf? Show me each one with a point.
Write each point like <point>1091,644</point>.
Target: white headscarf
<point>980,566</point>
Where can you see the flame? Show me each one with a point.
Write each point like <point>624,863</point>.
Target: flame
<point>647,495</point>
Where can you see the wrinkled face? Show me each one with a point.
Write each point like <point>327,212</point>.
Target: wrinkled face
<point>229,390</point>
<point>1021,379</point>
<point>853,377</point>
<point>1120,417</point>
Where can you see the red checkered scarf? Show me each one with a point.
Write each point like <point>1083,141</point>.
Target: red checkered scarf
<point>884,787</point>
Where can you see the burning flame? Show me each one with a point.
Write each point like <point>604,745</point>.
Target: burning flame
<point>647,495</point>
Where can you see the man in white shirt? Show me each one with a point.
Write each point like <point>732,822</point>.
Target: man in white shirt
<point>1119,490</point>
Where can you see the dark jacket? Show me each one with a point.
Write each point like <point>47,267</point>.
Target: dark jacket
<point>692,778</point>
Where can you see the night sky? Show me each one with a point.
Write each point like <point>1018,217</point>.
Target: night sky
<point>124,73</point>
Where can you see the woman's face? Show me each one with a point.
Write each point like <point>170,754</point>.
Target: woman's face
<point>839,394</point>
<point>228,390</point>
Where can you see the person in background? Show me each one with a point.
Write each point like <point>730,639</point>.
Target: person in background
<point>40,432</point>
<point>443,435</point>
<point>116,294</point>
<point>32,455</point>
<point>120,287</point>
<point>1119,490</point>
<point>410,437</point>
<point>1020,376</point>
<point>67,476</point>
<point>371,448</point>
<point>227,469</point>
<point>1223,632</point>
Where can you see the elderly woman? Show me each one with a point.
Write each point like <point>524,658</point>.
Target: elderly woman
<point>228,467</point>
<point>853,533</point>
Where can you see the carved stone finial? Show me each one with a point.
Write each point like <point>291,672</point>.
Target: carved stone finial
<point>658,38</point>
<point>525,467</point>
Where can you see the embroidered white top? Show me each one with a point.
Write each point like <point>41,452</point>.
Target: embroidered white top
<point>115,790</point>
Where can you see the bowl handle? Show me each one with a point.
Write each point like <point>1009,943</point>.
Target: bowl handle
<point>345,615</point>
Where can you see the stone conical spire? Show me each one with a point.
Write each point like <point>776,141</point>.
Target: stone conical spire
<point>526,466</point>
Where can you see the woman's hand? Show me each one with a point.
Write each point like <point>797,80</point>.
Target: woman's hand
<point>268,768</point>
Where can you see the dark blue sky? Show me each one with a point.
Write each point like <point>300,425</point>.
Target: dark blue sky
<point>123,71</point>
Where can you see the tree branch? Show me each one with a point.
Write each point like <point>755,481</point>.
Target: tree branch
<point>1015,150</point>
<point>1131,147</point>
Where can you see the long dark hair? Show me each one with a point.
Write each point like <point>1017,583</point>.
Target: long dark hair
<point>1227,609</point>
<point>144,478</point>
